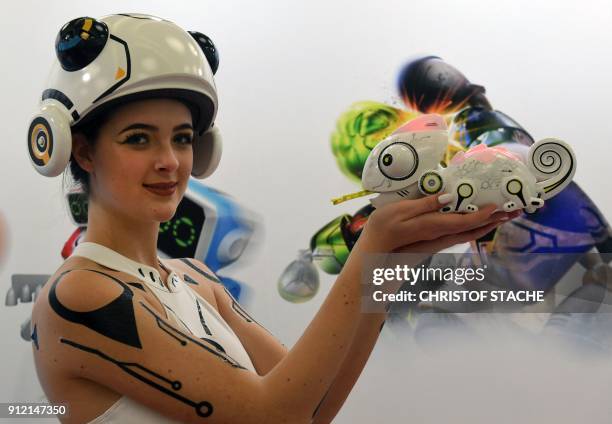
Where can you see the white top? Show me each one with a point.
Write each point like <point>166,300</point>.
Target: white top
<point>188,311</point>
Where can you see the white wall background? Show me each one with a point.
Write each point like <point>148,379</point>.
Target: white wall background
<point>287,70</point>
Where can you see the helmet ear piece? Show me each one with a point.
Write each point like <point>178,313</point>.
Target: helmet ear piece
<point>207,149</point>
<point>50,140</point>
<point>209,49</point>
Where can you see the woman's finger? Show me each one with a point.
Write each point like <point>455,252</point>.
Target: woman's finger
<point>434,246</point>
<point>434,225</point>
<point>412,208</point>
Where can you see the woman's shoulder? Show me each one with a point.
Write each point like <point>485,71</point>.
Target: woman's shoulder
<point>78,285</point>
<point>81,284</point>
<point>75,280</point>
<point>74,300</point>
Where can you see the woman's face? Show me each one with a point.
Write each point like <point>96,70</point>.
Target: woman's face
<point>142,159</point>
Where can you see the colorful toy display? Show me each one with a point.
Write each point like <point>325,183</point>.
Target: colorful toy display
<point>569,222</point>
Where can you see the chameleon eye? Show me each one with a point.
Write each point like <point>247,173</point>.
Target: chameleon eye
<point>398,161</point>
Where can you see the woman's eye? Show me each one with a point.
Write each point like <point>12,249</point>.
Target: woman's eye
<point>137,139</point>
<point>183,138</point>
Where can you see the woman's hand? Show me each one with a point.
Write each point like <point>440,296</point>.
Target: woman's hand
<point>417,226</point>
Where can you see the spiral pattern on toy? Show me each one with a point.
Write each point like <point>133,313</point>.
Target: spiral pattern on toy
<point>549,158</point>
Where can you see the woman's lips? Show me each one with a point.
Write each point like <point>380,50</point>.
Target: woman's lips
<point>161,189</point>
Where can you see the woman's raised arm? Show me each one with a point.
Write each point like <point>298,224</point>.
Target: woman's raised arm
<point>121,340</point>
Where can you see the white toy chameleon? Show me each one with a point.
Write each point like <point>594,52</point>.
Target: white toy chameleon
<point>405,166</point>
<point>395,165</point>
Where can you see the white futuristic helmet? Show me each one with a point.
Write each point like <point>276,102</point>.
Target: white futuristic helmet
<point>116,59</point>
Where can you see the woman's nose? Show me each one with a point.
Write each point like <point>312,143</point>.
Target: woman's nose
<point>166,159</point>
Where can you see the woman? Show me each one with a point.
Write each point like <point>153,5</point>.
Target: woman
<point>118,336</point>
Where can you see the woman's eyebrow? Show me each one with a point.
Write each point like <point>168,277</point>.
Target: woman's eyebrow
<point>185,126</point>
<point>140,126</point>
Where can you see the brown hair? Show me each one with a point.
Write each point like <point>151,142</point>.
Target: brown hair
<point>90,130</point>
